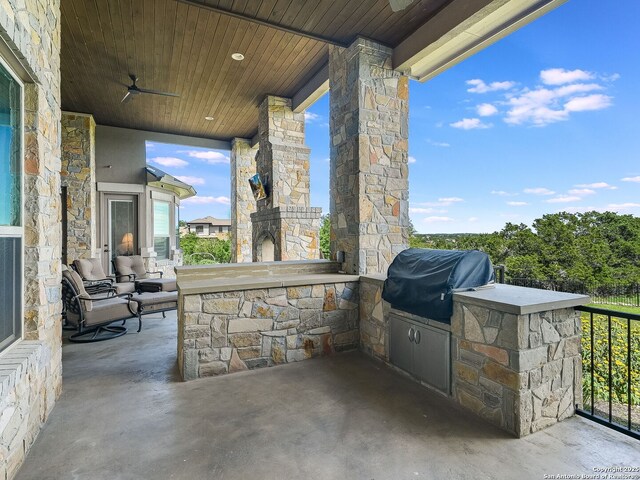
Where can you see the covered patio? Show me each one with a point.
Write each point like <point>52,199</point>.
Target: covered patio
<point>125,413</point>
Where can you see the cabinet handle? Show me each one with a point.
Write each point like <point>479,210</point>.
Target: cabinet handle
<point>417,336</point>
<point>411,334</point>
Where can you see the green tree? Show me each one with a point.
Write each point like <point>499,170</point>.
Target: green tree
<point>325,236</point>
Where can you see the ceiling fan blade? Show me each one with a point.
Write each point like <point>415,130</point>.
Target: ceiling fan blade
<point>156,92</point>
<point>126,98</point>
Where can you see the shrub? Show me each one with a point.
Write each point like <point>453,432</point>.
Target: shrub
<point>619,351</point>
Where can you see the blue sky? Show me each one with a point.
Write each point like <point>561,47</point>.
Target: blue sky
<point>543,121</point>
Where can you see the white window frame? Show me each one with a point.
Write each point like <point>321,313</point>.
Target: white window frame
<point>13,231</point>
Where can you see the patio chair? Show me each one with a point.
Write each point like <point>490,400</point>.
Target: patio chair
<point>132,268</point>
<point>92,315</point>
<point>95,280</point>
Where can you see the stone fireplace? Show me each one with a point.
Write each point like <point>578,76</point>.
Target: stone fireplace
<point>284,226</point>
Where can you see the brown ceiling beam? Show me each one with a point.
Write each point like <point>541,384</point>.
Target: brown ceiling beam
<point>264,23</point>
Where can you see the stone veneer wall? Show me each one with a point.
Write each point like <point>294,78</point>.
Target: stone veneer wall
<point>31,28</point>
<point>239,330</point>
<point>520,372</point>
<point>78,174</point>
<point>283,163</point>
<point>374,315</point>
<point>243,167</point>
<point>369,177</point>
<point>295,232</point>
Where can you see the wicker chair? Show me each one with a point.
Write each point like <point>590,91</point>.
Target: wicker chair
<point>92,315</point>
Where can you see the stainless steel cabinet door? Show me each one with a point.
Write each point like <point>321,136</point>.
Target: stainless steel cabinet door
<point>400,344</point>
<point>431,357</point>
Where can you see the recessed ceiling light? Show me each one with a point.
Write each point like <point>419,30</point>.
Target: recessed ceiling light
<point>208,118</point>
<point>237,56</point>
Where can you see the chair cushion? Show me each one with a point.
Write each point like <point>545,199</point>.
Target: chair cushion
<point>158,285</point>
<point>76,282</point>
<point>154,301</point>
<point>90,269</point>
<point>107,311</point>
<point>125,287</point>
<point>132,265</point>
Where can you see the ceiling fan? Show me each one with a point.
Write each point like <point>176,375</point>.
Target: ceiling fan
<point>133,90</point>
<point>397,5</point>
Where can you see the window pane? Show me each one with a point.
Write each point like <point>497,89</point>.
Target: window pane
<point>10,289</point>
<point>161,226</point>
<point>123,228</point>
<point>10,138</point>
<point>161,246</point>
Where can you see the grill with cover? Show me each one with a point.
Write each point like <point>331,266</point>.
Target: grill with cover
<point>422,281</point>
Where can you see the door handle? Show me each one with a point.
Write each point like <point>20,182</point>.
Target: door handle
<point>411,334</point>
<point>417,336</point>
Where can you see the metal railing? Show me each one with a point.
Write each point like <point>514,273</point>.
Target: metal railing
<point>611,369</point>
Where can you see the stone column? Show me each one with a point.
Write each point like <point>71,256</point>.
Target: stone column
<point>517,366</point>
<point>243,166</point>
<point>78,174</point>
<point>284,217</point>
<point>369,181</point>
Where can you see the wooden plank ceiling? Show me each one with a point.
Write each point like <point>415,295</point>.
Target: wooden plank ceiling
<point>180,48</point>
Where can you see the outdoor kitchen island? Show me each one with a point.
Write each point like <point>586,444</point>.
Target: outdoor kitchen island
<point>515,351</point>
<point>243,316</point>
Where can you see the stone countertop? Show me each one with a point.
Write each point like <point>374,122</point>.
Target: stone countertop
<point>520,300</point>
<point>218,285</point>
<point>376,279</point>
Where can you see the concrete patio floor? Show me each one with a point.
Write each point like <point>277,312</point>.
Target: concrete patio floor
<point>124,414</point>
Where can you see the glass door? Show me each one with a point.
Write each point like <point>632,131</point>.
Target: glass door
<point>121,229</point>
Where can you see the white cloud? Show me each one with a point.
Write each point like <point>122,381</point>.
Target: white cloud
<point>597,185</point>
<point>209,156</point>
<point>437,219</point>
<point>426,210</point>
<point>191,180</point>
<point>564,199</point>
<point>588,103</point>
<point>150,145</point>
<point>310,116</point>
<point>412,159</point>
<point>472,219</point>
<point>438,144</point>
<point>502,193</point>
<point>542,106</point>
<point>560,76</point>
<point>581,191</point>
<point>169,162</point>
<point>539,191</point>
<point>486,110</point>
<point>631,179</point>
<point>478,86</point>
<point>198,200</point>
<point>450,200</point>
<point>470,124</point>
<point>442,202</point>
<point>620,207</point>
<point>517,204</point>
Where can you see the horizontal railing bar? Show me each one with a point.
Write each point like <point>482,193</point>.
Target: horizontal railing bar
<point>605,311</point>
<point>606,423</point>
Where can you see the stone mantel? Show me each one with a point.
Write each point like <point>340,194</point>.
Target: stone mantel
<point>520,300</point>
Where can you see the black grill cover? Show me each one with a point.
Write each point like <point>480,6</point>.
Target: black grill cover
<point>422,281</point>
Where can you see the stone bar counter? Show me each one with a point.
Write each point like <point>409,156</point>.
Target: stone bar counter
<point>243,316</point>
<point>515,352</point>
